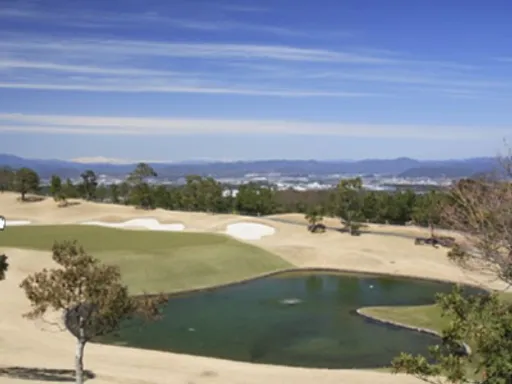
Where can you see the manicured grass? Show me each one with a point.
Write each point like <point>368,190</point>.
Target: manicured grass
<point>156,261</point>
<point>424,316</point>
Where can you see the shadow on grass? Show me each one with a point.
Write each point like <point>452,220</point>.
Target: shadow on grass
<point>43,374</point>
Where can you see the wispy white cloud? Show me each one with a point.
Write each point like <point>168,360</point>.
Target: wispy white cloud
<point>116,65</point>
<point>243,8</point>
<point>40,62</point>
<point>98,20</point>
<point>233,26</point>
<point>16,13</point>
<point>101,64</point>
<point>146,66</point>
<point>250,55</point>
<point>464,94</point>
<point>98,125</point>
<point>212,51</point>
<point>57,67</point>
<point>140,88</point>
<point>403,77</point>
<point>410,77</point>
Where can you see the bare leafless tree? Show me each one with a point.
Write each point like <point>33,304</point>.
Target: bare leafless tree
<point>481,210</point>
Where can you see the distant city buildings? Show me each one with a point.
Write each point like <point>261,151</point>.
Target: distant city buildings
<point>373,182</point>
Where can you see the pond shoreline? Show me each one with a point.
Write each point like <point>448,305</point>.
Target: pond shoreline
<point>344,308</point>
<point>427,331</point>
<point>337,271</point>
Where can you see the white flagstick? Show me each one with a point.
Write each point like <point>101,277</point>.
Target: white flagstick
<point>3,222</point>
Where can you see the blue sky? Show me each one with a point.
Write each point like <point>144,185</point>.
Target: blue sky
<point>173,80</point>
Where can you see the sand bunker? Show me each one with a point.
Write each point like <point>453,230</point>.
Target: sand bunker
<point>151,224</point>
<point>249,231</point>
<point>14,223</point>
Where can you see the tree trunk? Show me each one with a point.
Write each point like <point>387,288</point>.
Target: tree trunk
<point>79,361</point>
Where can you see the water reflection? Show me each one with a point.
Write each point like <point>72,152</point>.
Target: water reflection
<point>314,284</point>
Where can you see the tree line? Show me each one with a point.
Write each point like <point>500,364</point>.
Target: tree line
<point>347,201</point>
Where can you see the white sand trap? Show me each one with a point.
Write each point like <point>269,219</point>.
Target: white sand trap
<point>151,224</point>
<point>249,231</point>
<point>14,223</point>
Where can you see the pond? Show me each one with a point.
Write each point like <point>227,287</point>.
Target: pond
<point>299,319</point>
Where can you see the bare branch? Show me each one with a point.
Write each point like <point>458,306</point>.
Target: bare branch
<point>58,326</point>
<point>482,211</point>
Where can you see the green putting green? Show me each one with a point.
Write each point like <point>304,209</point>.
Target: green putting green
<point>422,316</point>
<point>156,261</point>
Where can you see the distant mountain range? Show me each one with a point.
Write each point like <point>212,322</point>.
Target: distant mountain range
<point>402,167</point>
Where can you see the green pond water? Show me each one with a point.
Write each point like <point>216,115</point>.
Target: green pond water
<point>304,320</point>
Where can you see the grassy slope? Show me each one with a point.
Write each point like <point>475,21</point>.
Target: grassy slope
<point>424,316</point>
<point>156,261</point>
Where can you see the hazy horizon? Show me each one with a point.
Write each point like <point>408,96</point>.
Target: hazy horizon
<point>105,160</point>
